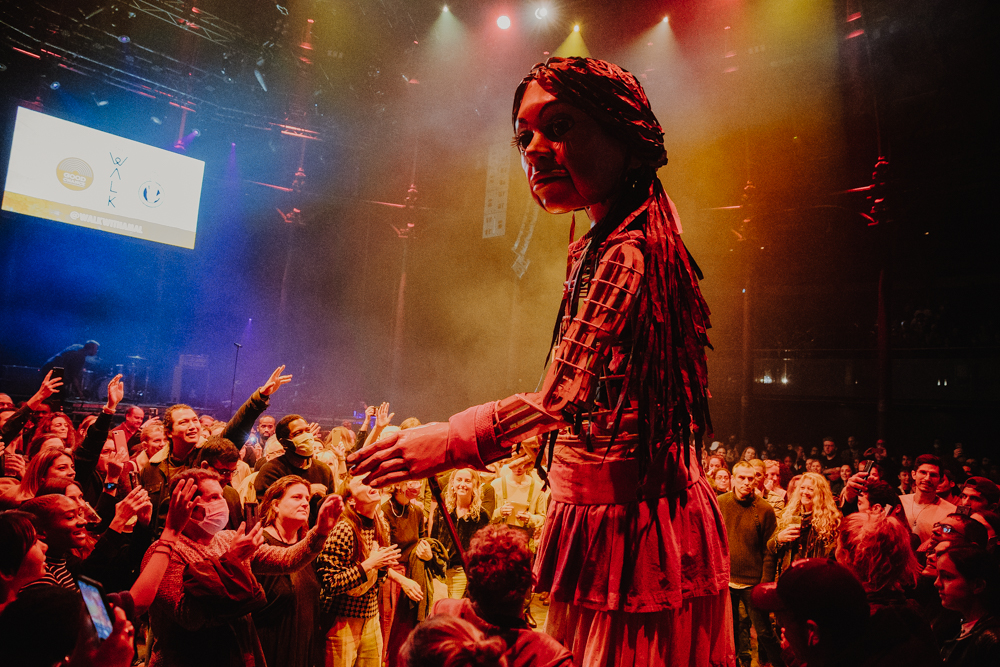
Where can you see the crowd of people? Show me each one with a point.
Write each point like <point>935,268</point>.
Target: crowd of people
<point>250,542</point>
<point>868,547</point>
<point>265,541</point>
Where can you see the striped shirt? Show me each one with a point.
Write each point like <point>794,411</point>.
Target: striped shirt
<point>56,574</point>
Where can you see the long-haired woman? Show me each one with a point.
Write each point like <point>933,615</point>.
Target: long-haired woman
<point>50,463</point>
<point>808,526</point>
<point>60,425</point>
<point>288,625</point>
<point>464,502</point>
<point>355,561</point>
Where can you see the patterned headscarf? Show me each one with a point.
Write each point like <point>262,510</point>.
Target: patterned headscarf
<point>608,94</point>
<point>667,366</point>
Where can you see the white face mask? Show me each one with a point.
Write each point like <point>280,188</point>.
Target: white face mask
<point>216,516</point>
<point>305,444</point>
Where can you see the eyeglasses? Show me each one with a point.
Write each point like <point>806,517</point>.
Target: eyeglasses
<point>948,529</point>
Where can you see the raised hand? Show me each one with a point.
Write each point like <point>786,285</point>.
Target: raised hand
<point>116,392</point>
<point>116,463</point>
<point>857,483</point>
<point>50,385</point>
<point>383,417</point>
<point>244,544</point>
<point>129,507</point>
<point>329,513</point>
<point>182,504</point>
<point>276,381</point>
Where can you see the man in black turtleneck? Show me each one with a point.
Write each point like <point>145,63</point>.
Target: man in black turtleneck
<point>750,521</point>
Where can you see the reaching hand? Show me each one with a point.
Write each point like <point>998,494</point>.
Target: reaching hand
<point>329,514</point>
<point>369,411</point>
<point>245,545</point>
<point>383,417</point>
<point>314,429</point>
<point>275,381</point>
<point>182,504</point>
<point>116,392</point>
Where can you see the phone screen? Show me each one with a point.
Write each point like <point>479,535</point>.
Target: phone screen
<point>95,606</point>
<point>121,442</point>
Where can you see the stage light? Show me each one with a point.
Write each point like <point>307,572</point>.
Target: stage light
<point>576,28</point>
<point>541,12</point>
<point>445,10</point>
<point>124,39</point>
<point>156,120</point>
<point>503,22</point>
<point>102,103</point>
<point>666,19</point>
<point>54,85</point>
<point>196,132</point>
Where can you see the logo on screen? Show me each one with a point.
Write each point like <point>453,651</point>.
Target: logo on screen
<point>75,174</point>
<point>151,194</point>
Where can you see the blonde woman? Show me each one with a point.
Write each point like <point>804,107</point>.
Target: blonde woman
<point>463,500</point>
<point>809,525</point>
<point>335,450</point>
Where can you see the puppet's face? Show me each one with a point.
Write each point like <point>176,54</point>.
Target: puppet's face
<point>570,161</point>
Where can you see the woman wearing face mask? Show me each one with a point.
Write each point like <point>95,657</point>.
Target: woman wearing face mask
<point>633,550</point>
<point>809,526</point>
<point>201,614</point>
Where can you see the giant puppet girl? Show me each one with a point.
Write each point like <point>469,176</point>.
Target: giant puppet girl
<point>634,549</point>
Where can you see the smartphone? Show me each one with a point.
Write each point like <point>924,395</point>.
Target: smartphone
<point>964,510</point>
<point>121,442</point>
<point>98,608</point>
<point>133,479</point>
<point>57,372</point>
